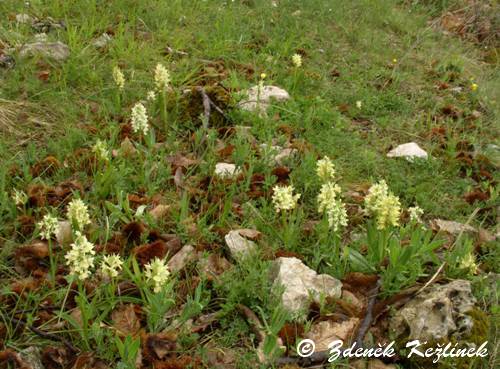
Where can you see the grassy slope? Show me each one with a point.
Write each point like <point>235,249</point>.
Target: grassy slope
<point>358,39</point>
<point>359,44</point>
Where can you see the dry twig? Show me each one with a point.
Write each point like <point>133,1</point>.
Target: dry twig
<point>367,320</point>
<point>43,334</point>
<point>254,321</point>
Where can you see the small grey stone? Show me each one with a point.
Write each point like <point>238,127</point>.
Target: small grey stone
<point>64,235</point>
<point>53,50</point>
<point>226,170</point>
<point>182,258</point>
<point>48,24</point>
<point>102,41</point>
<point>475,114</point>
<point>7,61</point>
<point>239,246</point>
<point>284,155</point>
<point>32,356</point>
<point>277,153</point>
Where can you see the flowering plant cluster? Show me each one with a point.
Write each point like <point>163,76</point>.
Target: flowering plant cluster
<point>162,77</point>
<point>329,201</point>
<point>100,150</point>
<point>380,202</point>
<point>415,213</point>
<point>80,258</point>
<point>48,226</point>
<point>78,214</point>
<point>297,60</point>
<point>20,197</point>
<point>325,169</point>
<point>172,160</point>
<point>119,78</point>
<point>139,119</point>
<point>111,265</point>
<point>384,205</point>
<point>284,199</point>
<point>157,273</point>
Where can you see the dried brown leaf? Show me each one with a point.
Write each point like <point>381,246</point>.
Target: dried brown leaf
<point>251,234</point>
<point>290,332</point>
<point>182,161</point>
<point>476,195</point>
<point>159,346</point>
<point>46,166</point>
<point>133,231</point>
<point>159,211</point>
<point>9,356</point>
<point>56,357</point>
<point>213,266</point>
<point>145,253</point>
<point>125,320</point>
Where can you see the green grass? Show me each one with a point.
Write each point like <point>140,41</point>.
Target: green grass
<point>385,54</point>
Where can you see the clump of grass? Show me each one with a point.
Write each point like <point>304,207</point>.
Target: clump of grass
<point>23,122</point>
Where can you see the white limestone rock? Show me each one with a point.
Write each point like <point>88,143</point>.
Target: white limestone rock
<point>260,102</point>
<point>327,331</point>
<point>301,284</point>
<point>226,170</point>
<point>239,246</point>
<point>409,151</point>
<point>451,227</point>
<point>437,313</point>
<point>24,18</point>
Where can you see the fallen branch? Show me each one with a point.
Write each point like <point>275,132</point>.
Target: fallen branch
<point>207,103</point>
<point>41,307</point>
<point>170,50</point>
<point>206,106</point>
<point>258,330</point>
<point>254,321</point>
<point>367,320</point>
<point>467,223</point>
<point>46,335</point>
<point>395,301</point>
<point>179,177</point>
